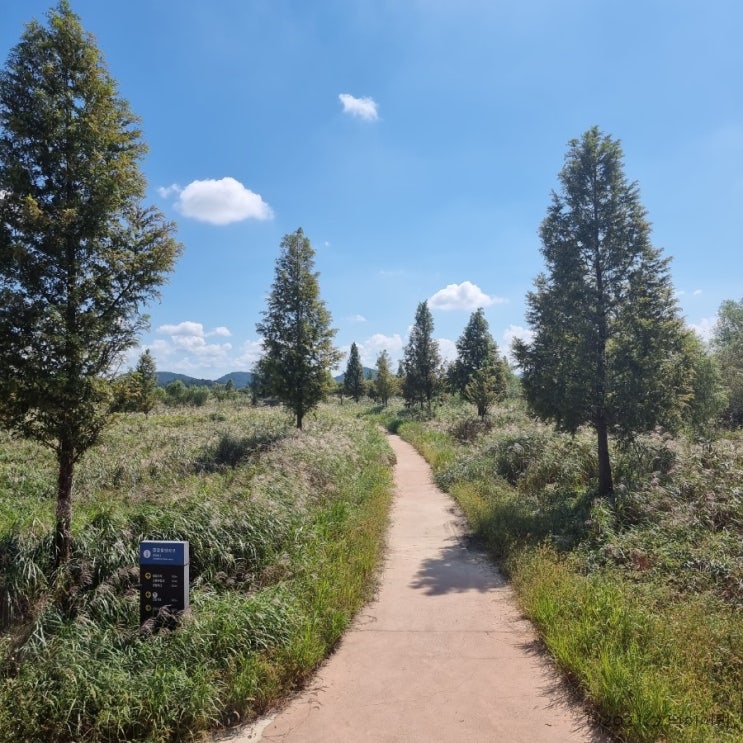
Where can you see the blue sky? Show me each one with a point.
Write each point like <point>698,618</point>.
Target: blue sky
<point>416,143</point>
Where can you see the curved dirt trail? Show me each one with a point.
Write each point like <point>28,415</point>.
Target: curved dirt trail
<point>441,654</point>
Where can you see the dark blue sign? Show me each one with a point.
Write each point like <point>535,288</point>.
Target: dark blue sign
<point>163,579</point>
<point>163,553</point>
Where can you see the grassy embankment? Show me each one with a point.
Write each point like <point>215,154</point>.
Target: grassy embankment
<point>285,530</point>
<point>639,599</point>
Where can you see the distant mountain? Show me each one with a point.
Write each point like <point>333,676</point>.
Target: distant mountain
<point>239,379</point>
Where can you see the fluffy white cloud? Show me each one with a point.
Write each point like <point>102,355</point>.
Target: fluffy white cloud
<point>186,347</point>
<point>464,296</point>
<point>183,328</point>
<point>249,354</point>
<point>447,349</point>
<point>363,108</point>
<point>704,328</point>
<point>370,349</point>
<point>220,201</point>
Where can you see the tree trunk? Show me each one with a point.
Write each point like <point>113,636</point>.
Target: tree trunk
<point>63,529</point>
<point>606,485</point>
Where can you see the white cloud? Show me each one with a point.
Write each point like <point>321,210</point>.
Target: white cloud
<point>183,328</point>
<point>447,349</point>
<point>218,201</point>
<point>370,349</point>
<point>698,292</point>
<point>363,108</point>
<point>186,341</point>
<point>464,296</point>
<point>358,318</point>
<point>250,352</point>
<point>704,328</point>
<point>167,191</point>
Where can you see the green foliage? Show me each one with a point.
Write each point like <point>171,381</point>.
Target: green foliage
<point>353,379</point>
<point>486,386</point>
<point>386,384</point>
<point>727,344</point>
<point>421,363</point>
<point>79,255</point>
<point>608,347</point>
<point>136,392</point>
<point>709,397</point>
<point>297,337</point>
<point>478,374</point>
<point>285,533</point>
<point>177,393</point>
<point>637,597</point>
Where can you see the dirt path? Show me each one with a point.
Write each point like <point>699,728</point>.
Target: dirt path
<point>441,654</point>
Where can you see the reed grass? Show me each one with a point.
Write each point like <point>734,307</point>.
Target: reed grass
<point>638,598</point>
<point>285,532</point>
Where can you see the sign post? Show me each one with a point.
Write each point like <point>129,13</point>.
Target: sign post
<point>163,578</point>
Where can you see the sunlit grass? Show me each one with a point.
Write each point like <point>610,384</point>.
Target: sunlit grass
<point>285,530</point>
<point>638,598</point>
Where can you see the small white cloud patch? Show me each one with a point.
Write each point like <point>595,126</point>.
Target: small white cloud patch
<point>464,296</point>
<point>219,202</point>
<point>362,108</point>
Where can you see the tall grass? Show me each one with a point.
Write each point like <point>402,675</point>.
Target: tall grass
<point>284,528</point>
<point>638,598</point>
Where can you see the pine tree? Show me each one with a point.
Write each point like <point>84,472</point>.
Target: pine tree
<point>385,383</point>
<point>297,337</point>
<point>353,380</point>
<point>486,386</point>
<point>421,360</point>
<point>477,373</point>
<point>608,347</point>
<point>79,255</point>
<point>475,348</point>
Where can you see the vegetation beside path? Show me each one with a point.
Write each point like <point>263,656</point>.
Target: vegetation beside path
<point>285,530</point>
<point>638,597</point>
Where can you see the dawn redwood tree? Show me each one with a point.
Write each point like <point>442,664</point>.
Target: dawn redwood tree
<point>79,255</point>
<point>421,361</point>
<point>608,345</point>
<point>136,391</point>
<point>385,383</point>
<point>297,337</point>
<point>475,348</point>
<point>478,374</point>
<point>353,379</point>
<point>145,382</point>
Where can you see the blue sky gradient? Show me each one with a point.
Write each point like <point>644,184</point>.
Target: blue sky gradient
<point>416,143</point>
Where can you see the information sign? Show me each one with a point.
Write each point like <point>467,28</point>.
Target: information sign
<point>163,578</point>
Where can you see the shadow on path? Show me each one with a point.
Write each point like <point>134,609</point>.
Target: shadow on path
<point>456,569</point>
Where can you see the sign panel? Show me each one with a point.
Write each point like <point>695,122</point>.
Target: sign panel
<point>163,553</point>
<point>163,578</point>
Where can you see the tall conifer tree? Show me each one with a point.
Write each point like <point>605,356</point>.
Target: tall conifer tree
<point>421,361</point>
<point>79,255</point>
<point>297,337</point>
<point>608,339</point>
<point>353,379</point>
<point>385,383</point>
